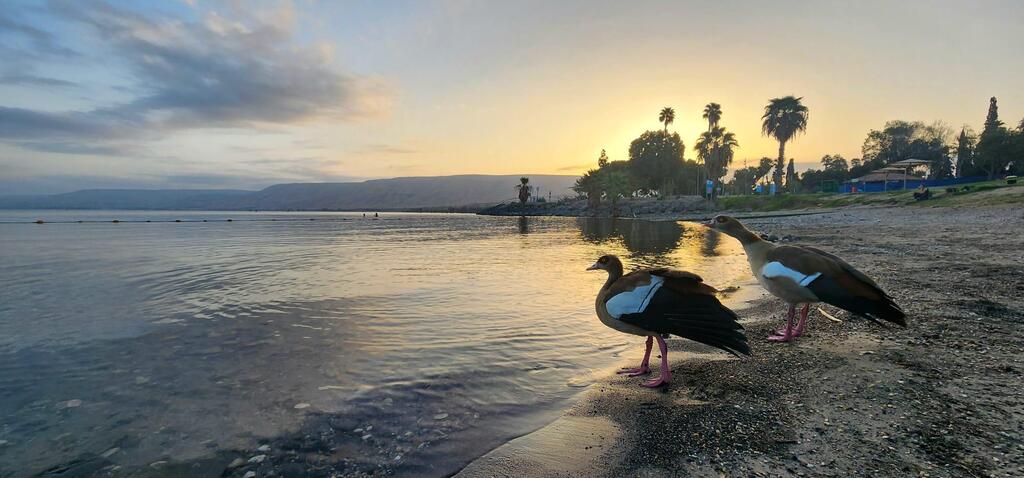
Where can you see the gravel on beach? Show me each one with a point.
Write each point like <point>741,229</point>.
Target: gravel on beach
<point>942,397</point>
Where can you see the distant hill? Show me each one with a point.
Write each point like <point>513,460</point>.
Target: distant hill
<point>377,194</point>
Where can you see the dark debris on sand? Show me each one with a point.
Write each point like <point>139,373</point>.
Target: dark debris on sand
<point>944,397</point>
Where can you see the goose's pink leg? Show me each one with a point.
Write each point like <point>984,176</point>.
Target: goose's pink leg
<point>644,367</point>
<point>803,321</point>
<point>664,376</point>
<point>786,334</point>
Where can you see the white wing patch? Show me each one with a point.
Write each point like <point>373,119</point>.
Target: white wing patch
<point>772,270</point>
<point>633,301</point>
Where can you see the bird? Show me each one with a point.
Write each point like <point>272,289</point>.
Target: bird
<point>807,275</point>
<point>657,302</point>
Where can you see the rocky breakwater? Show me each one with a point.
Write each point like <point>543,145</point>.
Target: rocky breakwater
<point>645,207</point>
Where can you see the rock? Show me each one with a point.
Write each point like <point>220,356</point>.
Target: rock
<point>301,406</point>
<point>258,459</point>
<point>440,416</point>
<point>263,448</point>
<point>249,474</point>
<point>109,453</point>
<point>367,436</point>
<point>75,403</point>
<point>158,464</point>
<point>237,462</point>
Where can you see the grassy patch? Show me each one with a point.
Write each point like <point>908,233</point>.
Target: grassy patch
<point>979,194</point>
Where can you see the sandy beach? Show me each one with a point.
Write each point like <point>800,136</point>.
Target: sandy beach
<point>939,398</point>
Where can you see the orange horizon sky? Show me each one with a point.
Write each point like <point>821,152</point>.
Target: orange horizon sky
<point>209,94</point>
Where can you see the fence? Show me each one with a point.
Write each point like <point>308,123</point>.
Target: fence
<point>896,185</point>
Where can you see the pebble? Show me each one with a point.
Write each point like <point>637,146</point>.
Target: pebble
<point>367,436</point>
<point>109,453</point>
<point>3,442</point>
<point>264,448</point>
<point>440,416</point>
<point>157,464</point>
<point>237,462</point>
<point>75,403</point>
<point>258,459</point>
<point>300,406</point>
<point>249,474</point>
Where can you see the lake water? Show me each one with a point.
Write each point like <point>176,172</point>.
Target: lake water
<point>408,344</point>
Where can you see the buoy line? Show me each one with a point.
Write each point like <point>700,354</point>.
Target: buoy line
<point>172,221</point>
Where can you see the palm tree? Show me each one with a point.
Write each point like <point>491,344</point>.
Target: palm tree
<point>667,116</point>
<point>712,113</point>
<point>716,149</point>
<point>783,119</point>
<point>524,189</point>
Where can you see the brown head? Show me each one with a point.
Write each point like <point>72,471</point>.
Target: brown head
<point>608,263</point>
<point>729,225</point>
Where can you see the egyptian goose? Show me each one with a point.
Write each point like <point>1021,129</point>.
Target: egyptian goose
<point>805,275</point>
<point>658,302</point>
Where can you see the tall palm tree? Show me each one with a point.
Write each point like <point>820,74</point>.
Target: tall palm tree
<point>712,113</point>
<point>667,116</point>
<point>716,149</point>
<point>524,189</point>
<point>783,119</point>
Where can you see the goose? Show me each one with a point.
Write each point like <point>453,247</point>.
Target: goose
<point>654,303</point>
<point>806,275</point>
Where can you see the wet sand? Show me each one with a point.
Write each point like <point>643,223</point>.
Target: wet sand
<point>942,397</point>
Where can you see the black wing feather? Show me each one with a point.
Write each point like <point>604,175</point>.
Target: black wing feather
<point>829,291</point>
<point>698,317</point>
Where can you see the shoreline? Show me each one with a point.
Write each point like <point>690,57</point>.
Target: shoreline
<point>847,399</point>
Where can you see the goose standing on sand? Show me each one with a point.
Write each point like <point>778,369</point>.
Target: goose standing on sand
<point>658,302</point>
<point>805,275</point>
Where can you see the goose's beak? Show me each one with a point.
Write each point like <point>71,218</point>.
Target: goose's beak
<point>710,223</point>
<point>596,266</point>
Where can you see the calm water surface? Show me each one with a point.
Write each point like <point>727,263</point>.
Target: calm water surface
<point>409,344</point>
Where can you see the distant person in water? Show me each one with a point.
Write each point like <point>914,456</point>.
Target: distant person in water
<point>376,215</point>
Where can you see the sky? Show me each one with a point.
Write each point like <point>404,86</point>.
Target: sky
<point>232,94</point>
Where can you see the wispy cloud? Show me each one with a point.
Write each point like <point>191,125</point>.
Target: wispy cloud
<point>235,67</point>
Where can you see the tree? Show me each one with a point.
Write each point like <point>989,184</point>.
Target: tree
<point>589,186</point>
<point>835,163</point>
<point>834,168</point>
<point>965,151</point>
<point>994,152</point>
<point>712,113</point>
<point>992,122</point>
<point>617,184</point>
<point>783,119</point>
<point>744,179</point>
<point>524,189</point>
<point>602,160</point>
<point>667,116</point>
<point>900,140</point>
<point>716,148</point>
<point>791,179</point>
<point>655,159</point>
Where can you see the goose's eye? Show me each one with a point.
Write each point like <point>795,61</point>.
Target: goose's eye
<point>604,260</point>
<point>719,219</point>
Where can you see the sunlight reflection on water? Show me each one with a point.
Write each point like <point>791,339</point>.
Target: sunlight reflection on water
<point>185,340</point>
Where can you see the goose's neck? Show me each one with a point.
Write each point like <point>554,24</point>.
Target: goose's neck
<point>748,238</point>
<point>614,273</point>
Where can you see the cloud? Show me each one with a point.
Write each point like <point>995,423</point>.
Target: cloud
<point>233,67</point>
<point>386,149</point>
<point>23,79</point>
<point>577,167</point>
